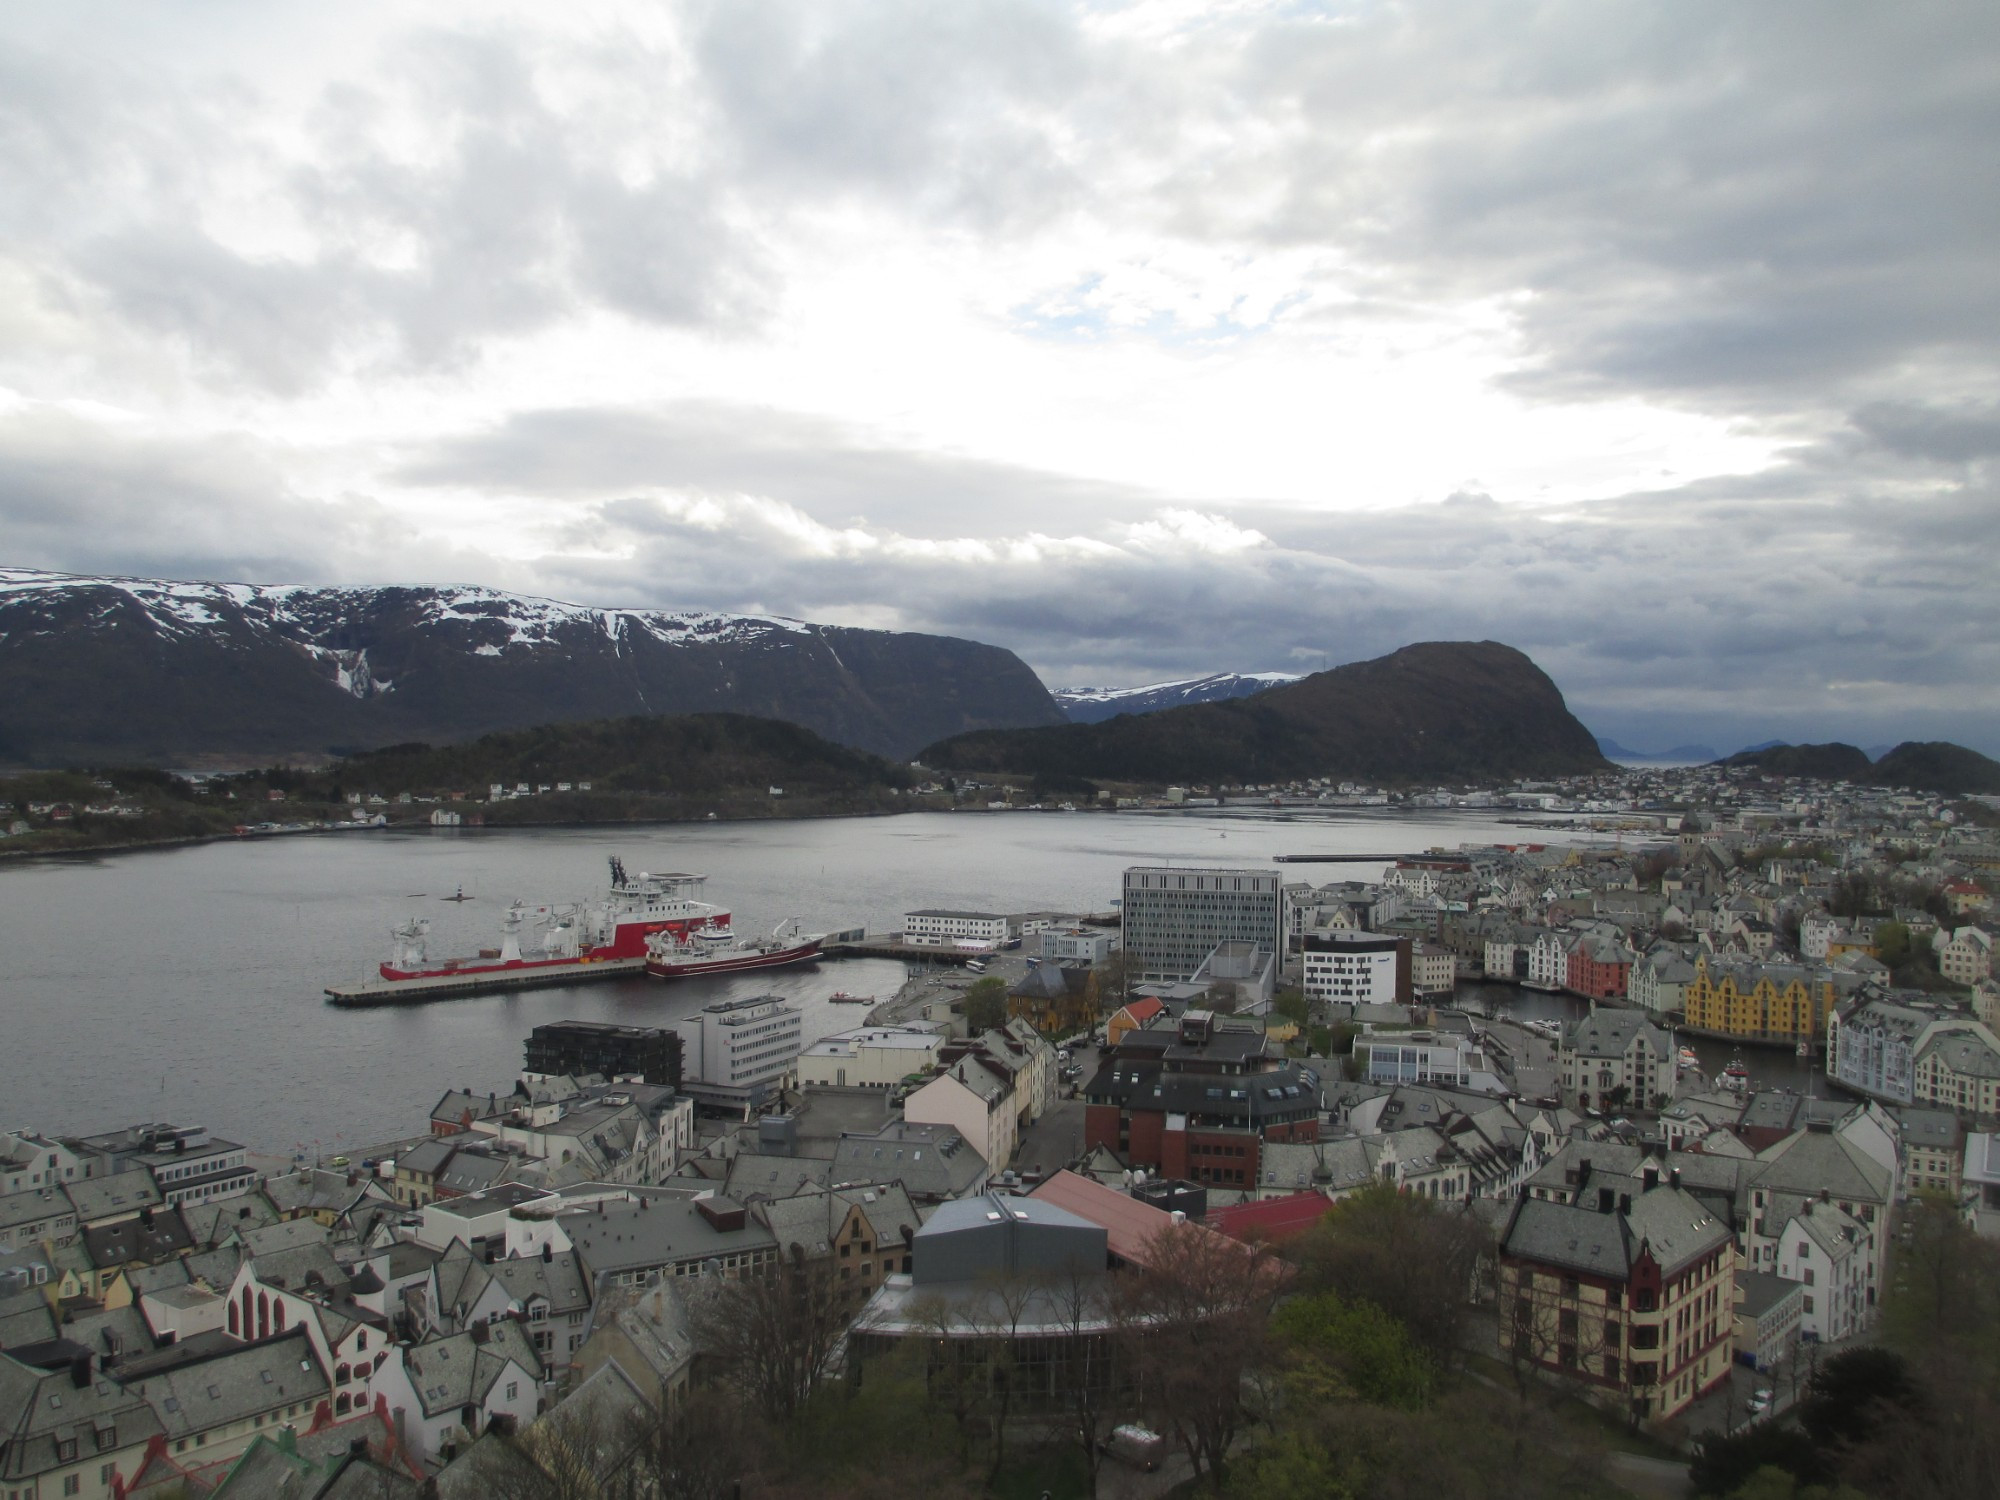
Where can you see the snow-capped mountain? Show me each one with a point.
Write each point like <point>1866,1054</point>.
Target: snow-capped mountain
<point>100,668</point>
<point>1090,705</point>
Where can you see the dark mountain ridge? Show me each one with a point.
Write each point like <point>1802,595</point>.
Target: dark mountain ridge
<point>1439,711</point>
<point>1938,766</point>
<point>104,670</point>
<point>1836,761</point>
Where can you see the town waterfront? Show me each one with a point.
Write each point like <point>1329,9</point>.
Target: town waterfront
<point>186,985</point>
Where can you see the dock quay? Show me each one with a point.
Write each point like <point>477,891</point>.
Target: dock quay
<point>905,952</point>
<point>443,987</point>
<point>1344,859</point>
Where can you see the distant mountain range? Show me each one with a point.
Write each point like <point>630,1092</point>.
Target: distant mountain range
<point>1680,755</point>
<point>1441,711</point>
<point>135,670</point>
<point>1093,705</point>
<point>1915,765</point>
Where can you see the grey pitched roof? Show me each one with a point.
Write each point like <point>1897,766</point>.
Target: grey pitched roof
<point>932,1162</point>
<point>235,1384</point>
<point>40,1408</point>
<point>1963,1050</point>
<point>1818,1159</point>
<point>753,1175</point>
<point>106,1197</point>
<point>1670,1224</point>
<point>459,1370</point>
<point>1606,1032</point>
<point>559,1280</point>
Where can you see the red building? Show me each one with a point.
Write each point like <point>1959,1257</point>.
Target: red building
<point>1600,968</point>
<point>1198,1102</point>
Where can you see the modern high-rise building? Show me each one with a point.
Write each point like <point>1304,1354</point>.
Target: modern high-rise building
<point>1175,915</point>
<point>735,1052</point>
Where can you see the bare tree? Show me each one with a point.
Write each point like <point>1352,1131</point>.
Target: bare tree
<point>1195,1327</point>
<point>954,1374</point>
<point>1084,1361</point>
<point>776,1334</point>
<point>1000,1329</point>
<point>700,1449</point>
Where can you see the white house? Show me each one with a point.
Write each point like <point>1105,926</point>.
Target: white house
<point>445,1393</point>
<point>1548,961</point>
<point>976,1098</point>
<point>1826,1252</point>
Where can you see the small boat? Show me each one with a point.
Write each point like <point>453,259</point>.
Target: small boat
<point>1735,1078</point>
<point>1689,1063</point>
<point>458,895</point>
<point>841,997</point>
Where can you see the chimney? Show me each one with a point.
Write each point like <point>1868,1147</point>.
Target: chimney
<point>79,1371</point>
<point>1624,1203</point>
<point>1604,1200</point>
<point>1674,1177</point>
<point>548,1253</point>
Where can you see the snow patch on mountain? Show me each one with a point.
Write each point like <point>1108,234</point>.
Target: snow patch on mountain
<point>1089,705</point>
<point>307,614</point>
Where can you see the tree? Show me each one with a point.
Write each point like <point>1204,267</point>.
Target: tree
<point>1084,1360</point>
<point>986,1005</point>
<point>698,1449</point>
<point>1855,1392</point>
<point>777,1333</point>
<point>1334,1348</point>
<point>1195,1326</point>
<point>1412,1257</point>
<point>1292,1005</point>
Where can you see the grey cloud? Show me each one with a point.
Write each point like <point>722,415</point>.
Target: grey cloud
<point>1712,202</point>
<point>954,110</point>
<point>826,468</point>
<point>516,216</point>
<point>1956,435</point>
<point>80,497</point>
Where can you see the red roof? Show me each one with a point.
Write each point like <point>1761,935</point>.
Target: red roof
<point>1129,1223</point>
<point>1272,1219</point>
<point>1145,1008</point>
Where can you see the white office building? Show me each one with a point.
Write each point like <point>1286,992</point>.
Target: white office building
<point>869,1057</point>
<point>1175,916</point>
<point>949,926</point>
<point>736,1051</point>
<point>1352,967</point>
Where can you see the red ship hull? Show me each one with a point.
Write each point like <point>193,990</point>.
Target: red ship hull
<point>628,941</point>
<point>734,963</point>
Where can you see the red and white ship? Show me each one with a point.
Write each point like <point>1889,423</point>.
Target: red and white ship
<point>568,938</point>
<point>717,950</point>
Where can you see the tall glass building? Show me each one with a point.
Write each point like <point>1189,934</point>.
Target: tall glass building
<point>1174,915</point>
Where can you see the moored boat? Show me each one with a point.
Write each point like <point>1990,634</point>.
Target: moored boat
<point>544,944</point>
<point>694,955</point>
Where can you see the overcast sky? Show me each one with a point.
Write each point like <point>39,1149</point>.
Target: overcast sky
<point>1146,339</point>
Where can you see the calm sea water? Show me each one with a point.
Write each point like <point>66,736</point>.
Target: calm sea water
<point>185,985</point>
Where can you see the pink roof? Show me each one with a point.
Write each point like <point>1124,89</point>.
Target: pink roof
<point>1272,1219</point>
<point>1130,1224</point>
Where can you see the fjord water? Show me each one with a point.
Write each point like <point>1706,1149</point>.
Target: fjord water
<point>185,984</point>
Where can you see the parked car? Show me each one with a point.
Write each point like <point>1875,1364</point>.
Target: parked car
<point>1759,1403</point>
<point>1137,1446</point>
